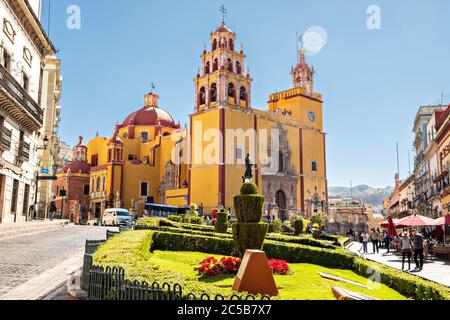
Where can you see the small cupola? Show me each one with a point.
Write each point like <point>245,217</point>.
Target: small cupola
<point>151,100</point>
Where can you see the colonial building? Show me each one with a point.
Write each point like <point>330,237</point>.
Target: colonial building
<point>26,89</point>
<point>442,180</point>
<point>72,188</point>
<point>346,214</point>
<point>150,158</point>
<point>426,167</point>
<point>134,166</point>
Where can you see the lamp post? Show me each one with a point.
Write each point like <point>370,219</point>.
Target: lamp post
<point>37,178</point>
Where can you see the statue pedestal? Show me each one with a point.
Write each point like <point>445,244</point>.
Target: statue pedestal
<point>255,276</point>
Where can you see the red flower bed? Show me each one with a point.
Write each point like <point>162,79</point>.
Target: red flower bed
<point>212,267</point>
<point>279,266</point>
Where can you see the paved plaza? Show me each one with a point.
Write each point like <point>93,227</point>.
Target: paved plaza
<point>437,270</point>
<point>33,265</point>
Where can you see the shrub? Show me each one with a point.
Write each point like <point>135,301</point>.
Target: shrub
<point>275,226</point>
<point>193,212</point>
<point>168,223</point>
<point>249,207</point>
<point>296,253</point>
<point>221,226</point>
<point>175,218</point>
<point>249,236</point>
<point>193,220</point>
<point>167,241</point>
<point>298,226</point>
<point>249,188</point>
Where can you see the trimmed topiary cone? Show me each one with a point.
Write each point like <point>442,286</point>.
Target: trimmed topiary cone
<point>249,236</point>
<point>249,188</point>
<point>221,224</point>
<point>249,207</point>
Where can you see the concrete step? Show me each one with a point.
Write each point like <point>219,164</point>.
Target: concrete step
<point>26,228</point>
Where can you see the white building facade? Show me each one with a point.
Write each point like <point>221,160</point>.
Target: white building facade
<point>25,51</point>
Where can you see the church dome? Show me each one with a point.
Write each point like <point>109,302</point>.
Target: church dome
<point>150,115</point>
<point>77,167</point>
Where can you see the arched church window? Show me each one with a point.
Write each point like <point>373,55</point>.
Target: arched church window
<point>243,94</point>
<point>238,68</point>
<point>216,65</point>
<point>231,44</point>
<point>202,96</point>
<point>230,65</point>
<point>207,67</point>
<point>213,92</point>
<point>214,44</point>
<point>231,90</point>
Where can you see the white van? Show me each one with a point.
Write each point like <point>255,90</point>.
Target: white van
<point>116,217</point>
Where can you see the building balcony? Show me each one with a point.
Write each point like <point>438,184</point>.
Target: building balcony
<point>16,101</point>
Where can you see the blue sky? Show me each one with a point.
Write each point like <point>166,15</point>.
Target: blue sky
<point>373,81</point>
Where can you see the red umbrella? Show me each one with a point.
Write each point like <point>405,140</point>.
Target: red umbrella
<point>385,224</point>
<point>443,221</point>
<point>392,231</point>
<point>416,221</point>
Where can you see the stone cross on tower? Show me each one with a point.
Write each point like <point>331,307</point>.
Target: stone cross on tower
<point>224,12</point>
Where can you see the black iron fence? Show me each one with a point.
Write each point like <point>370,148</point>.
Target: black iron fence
<point>110,284</point>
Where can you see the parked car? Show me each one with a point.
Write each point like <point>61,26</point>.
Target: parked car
<point>116,217</point>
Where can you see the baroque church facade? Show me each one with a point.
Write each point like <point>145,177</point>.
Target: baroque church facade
<point>150,157</point>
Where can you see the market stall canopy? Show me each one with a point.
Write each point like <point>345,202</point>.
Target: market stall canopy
<point>416,221</point>
<point>443,221</point>
<point>385,224</point>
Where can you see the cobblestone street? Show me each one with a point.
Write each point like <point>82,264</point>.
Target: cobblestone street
<point>26,257</point>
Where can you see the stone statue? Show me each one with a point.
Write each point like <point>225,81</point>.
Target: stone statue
<point>248,170</point>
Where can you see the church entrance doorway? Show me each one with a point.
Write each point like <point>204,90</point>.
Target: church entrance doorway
<point>280,200</point>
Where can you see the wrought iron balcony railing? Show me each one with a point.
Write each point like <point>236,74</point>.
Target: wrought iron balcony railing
<point>27,104</point>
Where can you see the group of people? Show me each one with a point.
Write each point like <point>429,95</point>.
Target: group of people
<point>409,243</point>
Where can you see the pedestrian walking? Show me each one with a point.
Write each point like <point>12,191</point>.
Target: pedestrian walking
<point>53,209</point>
<point>417,240</point>
<point>406,248</point>
<point>387,242</point>
<point>375,238</point>
<point>365,241</point>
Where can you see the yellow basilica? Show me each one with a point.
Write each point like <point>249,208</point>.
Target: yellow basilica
<point>152,158</point>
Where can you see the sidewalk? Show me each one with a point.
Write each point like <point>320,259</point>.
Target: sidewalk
<point>10,230</point>
<point>41,286</point>
<point>433,270</point>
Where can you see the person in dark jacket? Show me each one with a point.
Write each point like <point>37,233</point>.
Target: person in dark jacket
<point>53,209</point>
<point>417,240</point>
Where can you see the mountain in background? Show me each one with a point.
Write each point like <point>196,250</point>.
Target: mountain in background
<point>369,195</point>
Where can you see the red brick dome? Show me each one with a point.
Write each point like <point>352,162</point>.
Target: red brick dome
<point>77,167</point>
<point>151,116</point>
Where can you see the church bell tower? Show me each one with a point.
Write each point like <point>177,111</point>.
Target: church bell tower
<point>222,80</point>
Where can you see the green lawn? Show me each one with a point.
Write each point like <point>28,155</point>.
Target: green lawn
<point>304,284</point>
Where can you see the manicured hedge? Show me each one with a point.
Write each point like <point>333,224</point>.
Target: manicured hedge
<point>184,242</point>
<point>297,253</point>
<point>300,240</point>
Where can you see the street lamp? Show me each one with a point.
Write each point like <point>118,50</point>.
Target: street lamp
<point>44,147</point>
